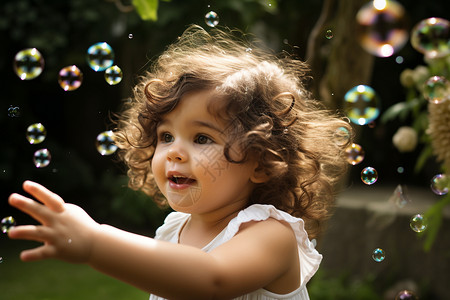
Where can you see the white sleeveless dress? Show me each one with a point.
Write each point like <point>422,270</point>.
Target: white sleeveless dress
<point>309,257</point>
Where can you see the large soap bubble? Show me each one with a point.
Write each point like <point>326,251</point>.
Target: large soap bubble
<point>432,37</point>
<point>361,104</point>
<point>382,27</point>
<point>100,56</point>
<point>28,64</point>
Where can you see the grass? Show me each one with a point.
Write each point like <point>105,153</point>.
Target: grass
<point>55,280</point>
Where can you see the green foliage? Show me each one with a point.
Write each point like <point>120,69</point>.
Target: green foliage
<point>147,9</point>
<point>343,287</point>
<point>434,219</point>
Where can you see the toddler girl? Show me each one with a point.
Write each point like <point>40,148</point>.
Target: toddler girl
<point>226,134</point>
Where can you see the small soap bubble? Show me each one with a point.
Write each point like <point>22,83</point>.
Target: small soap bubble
<point>361,104</point>
<point>105,143</point>
<point>42,158</point>
<point>382,27</point>
<point>440,184</point>
<point>399,197</point>
<point>13,111</point>
<point>36,133</point>
<point>329,34</point>
<point>400,170</point>
<point>355,154</point>
<point>28,64</point>
<point>113,75</point>
<point>70,78</point>
<point>431,37</point>
<point>369,175</point>
<point>100,56</point>
<point>418,223</point>
<point>437,89</point>
<point>341,136</point>
<point>212,19</point>
<point>378,255</point>
<point>130,36</point>
<point>285,131</point>
<point>406,295</point>
<point>1,259</point>
<point>399,59</point>
<point>7,223</point>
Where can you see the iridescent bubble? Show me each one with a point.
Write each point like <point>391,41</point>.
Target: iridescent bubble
<point>130,36</point>
<point>341,136</point>
<point>7,223</point>
<point>105,143</point>
<point>113,75</point>
<point>36,133</point>
<point>14,111</point>
<point>329,34</point>
<point>355,154</point>
<point>378,255</point>
<point>361,104</point>
<point>369,175</point>
<point>440,184</point>
<point>437,89</point>
<point>100,56</point>
<point>212,19</point>
<point>382,27</point>
<point>42,158</point>
<point>399,197</point>
<point>70,78</point>
<point>431,37</point>
<point>28,64</point>
<point>406,295</point>
<point>418,223</point>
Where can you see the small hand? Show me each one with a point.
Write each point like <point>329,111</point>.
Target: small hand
<point>66,230</point>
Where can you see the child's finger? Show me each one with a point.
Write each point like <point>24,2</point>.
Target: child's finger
<point>30,232</point>
<point>50,199</point>
<point>36,210</point>
<point>39,253</point>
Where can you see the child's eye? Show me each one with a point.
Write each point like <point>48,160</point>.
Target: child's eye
<point>203,139</point>
<point>166,137</point>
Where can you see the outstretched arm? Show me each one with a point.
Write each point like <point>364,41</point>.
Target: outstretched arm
<point>241,265</point>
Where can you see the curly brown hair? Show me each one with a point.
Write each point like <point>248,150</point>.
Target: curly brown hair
<point>270,115</point>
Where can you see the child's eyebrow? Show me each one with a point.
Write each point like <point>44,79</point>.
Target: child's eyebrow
<point>206,124</point>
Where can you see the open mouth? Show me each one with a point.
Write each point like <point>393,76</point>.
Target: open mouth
<point>181,179</point>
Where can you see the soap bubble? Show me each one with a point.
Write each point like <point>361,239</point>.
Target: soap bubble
<point>329,34</point>
<point>369,175</point>
<point>28,64</point>
<point>437,89</point>
<point>113,75</point>
<point>399,197</point>
<point>406,295</point>
<point>105,143</point>
<point>341,136</point>
<point>130,36</point>
<point>7,223</point>
<point>378,255</point>
<point>1,259</point>
<point>431,37</point>
<point>382,27</point>
<point>361,104</point>
<point>212,19</point>
<point>70,78</point>
<point>36,133</point>
<point>42,158</point>
<point>14,111</point>
<point>418,223</point>
<point>100,56</point>
<point>399,59</point>
<point>440,184</point>
<point>355,154</point>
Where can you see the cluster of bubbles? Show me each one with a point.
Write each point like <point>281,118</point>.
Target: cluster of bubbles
<point>36,134</point>
<point>7,223</point>
<point>212,19</point>
<point>382,27</point>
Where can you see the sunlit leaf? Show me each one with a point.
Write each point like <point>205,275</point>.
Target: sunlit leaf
<point>147,9</point>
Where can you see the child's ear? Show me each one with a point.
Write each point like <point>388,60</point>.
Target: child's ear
<point>259,176</point>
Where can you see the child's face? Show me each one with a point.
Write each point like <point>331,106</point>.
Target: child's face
<point>189,166</point>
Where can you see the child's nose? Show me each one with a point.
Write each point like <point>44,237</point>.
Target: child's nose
<point>176,154</point>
